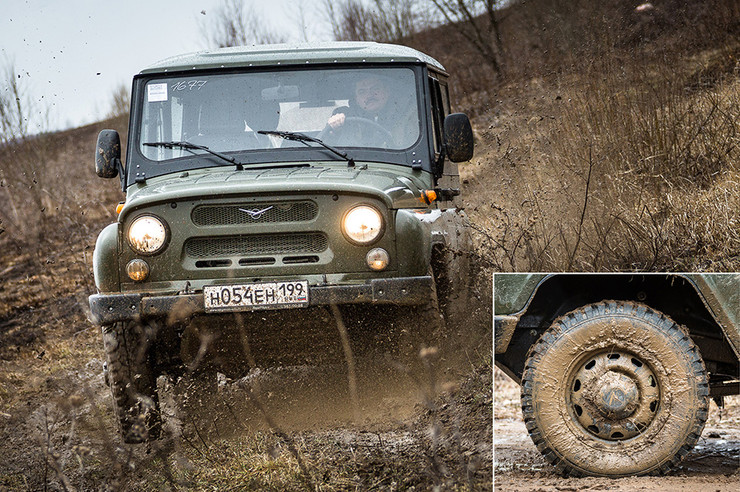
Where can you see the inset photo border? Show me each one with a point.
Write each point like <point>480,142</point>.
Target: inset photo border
<point>616,376</point>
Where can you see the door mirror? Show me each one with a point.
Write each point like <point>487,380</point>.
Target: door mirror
<point>458,135</point>
<point>108,154</point>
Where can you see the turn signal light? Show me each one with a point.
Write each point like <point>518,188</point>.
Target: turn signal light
<point>377,259</point>
<point>119,207</point>
<point>428,196</point>
<point>138,270</point>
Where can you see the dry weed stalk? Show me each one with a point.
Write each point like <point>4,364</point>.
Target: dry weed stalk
<point>306,476</point>
<point>660,181</point>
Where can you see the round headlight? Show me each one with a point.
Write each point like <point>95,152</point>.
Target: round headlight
<point>363,224</point>
<point>147,235</point>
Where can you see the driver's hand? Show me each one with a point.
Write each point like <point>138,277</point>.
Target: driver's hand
<point>336,120</point>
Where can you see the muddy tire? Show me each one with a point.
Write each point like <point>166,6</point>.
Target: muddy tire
<point>614,389</point>
<point>131,380</point>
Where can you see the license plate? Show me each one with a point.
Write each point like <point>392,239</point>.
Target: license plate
<point>246,297</point>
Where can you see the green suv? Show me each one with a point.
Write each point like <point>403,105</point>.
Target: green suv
<point>617,370</point>
<point>275,177</point>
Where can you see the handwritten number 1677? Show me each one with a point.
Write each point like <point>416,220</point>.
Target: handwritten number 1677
<point>188,85</point>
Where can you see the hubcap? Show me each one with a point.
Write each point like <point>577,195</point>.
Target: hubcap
<point>614,395</point>
<point>617,395</point>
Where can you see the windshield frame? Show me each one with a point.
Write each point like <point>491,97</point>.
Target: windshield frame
<point>139,167</point>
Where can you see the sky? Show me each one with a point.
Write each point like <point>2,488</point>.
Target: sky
<point>72,55</point>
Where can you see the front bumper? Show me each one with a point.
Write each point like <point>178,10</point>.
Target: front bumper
<point>111,308</point>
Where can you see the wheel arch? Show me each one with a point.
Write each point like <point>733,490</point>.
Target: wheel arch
<point>450,256</point>
<point>677,296</point>
<point>105,259</point>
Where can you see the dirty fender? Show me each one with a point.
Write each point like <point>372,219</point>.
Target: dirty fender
<point>105,260</point>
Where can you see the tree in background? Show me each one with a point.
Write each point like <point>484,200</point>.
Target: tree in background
<point>477,21</point>
<point>391,21</point>
<point>377,20</point>
<point>232,25</point>
<point>14,107</point>
<point>120,102</point>
<point>25,153</point>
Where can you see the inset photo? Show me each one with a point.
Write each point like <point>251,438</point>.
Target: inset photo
<point>616,375</point>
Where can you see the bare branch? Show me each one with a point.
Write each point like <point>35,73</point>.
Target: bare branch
<point>477,22</point>
<point>14,107</point>
<point>120,102</point>
<point>232,25</point>
<point>381,20</point>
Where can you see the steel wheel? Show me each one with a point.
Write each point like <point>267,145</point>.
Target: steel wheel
<point>614,395</point>
<point>614,389</point>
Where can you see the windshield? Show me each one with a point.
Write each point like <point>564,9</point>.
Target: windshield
<point>362,108</point>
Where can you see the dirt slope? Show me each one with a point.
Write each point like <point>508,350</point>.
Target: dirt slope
<point>57,429</point>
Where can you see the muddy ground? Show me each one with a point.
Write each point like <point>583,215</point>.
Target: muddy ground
<point>289,423</point>
<point>713,465</point>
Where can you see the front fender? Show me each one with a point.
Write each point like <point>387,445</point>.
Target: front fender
<point>105,260</point>
<point>413,243</point>
<point>418,232</point>
<point>720,294</point>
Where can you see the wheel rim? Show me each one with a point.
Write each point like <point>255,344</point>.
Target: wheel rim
<point>614,395</point>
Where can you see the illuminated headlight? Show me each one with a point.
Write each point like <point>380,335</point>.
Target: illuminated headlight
<point>147,235</point>
<point>363,224</point>
<point>377,259</point>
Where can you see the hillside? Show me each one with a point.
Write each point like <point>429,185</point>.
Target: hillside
<point>611,143</point>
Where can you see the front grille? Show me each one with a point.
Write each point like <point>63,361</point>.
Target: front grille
<point>263,244</point>
<point>215,215</point>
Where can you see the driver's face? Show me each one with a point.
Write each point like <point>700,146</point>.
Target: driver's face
<point>371,94</point>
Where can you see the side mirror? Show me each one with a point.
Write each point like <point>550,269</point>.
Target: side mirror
<point>108,154</point>
<point>458,135</point>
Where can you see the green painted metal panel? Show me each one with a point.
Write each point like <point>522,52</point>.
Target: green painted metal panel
<point>105,260</point>
<point>721,294</point>
<point>511,291</point>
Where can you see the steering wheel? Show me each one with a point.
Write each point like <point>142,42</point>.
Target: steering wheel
<point>374,129</point>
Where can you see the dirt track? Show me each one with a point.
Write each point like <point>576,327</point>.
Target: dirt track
<point>713,465</point>
<point>57,429</point>
<point>56,421</point>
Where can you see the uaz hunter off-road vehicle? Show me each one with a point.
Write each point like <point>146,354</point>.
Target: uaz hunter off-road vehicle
<point>240,196</point>
<point>617,370</point>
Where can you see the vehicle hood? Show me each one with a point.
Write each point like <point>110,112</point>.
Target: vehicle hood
<point>397,188</point>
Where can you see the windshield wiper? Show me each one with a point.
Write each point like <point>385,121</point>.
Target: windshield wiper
<point>191,146</point>
<point>304,139</point>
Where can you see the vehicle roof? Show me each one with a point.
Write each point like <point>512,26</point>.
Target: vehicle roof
<point>293,54</point>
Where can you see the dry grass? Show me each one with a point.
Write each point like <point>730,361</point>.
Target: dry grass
<point>609,152</point>
<point>49,193</point>
<point>62,435</point>
<point>626,166</point>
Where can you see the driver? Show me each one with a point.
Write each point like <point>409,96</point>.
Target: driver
<point>373,102</point>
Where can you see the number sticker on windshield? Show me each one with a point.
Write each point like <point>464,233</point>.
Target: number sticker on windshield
<point>156,92</point>
<point>188,85</point>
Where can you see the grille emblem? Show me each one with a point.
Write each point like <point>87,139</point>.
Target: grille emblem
<point>255,214</point>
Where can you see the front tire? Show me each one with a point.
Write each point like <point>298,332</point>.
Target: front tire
<point>614,389</point>
<point>132,380</point>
